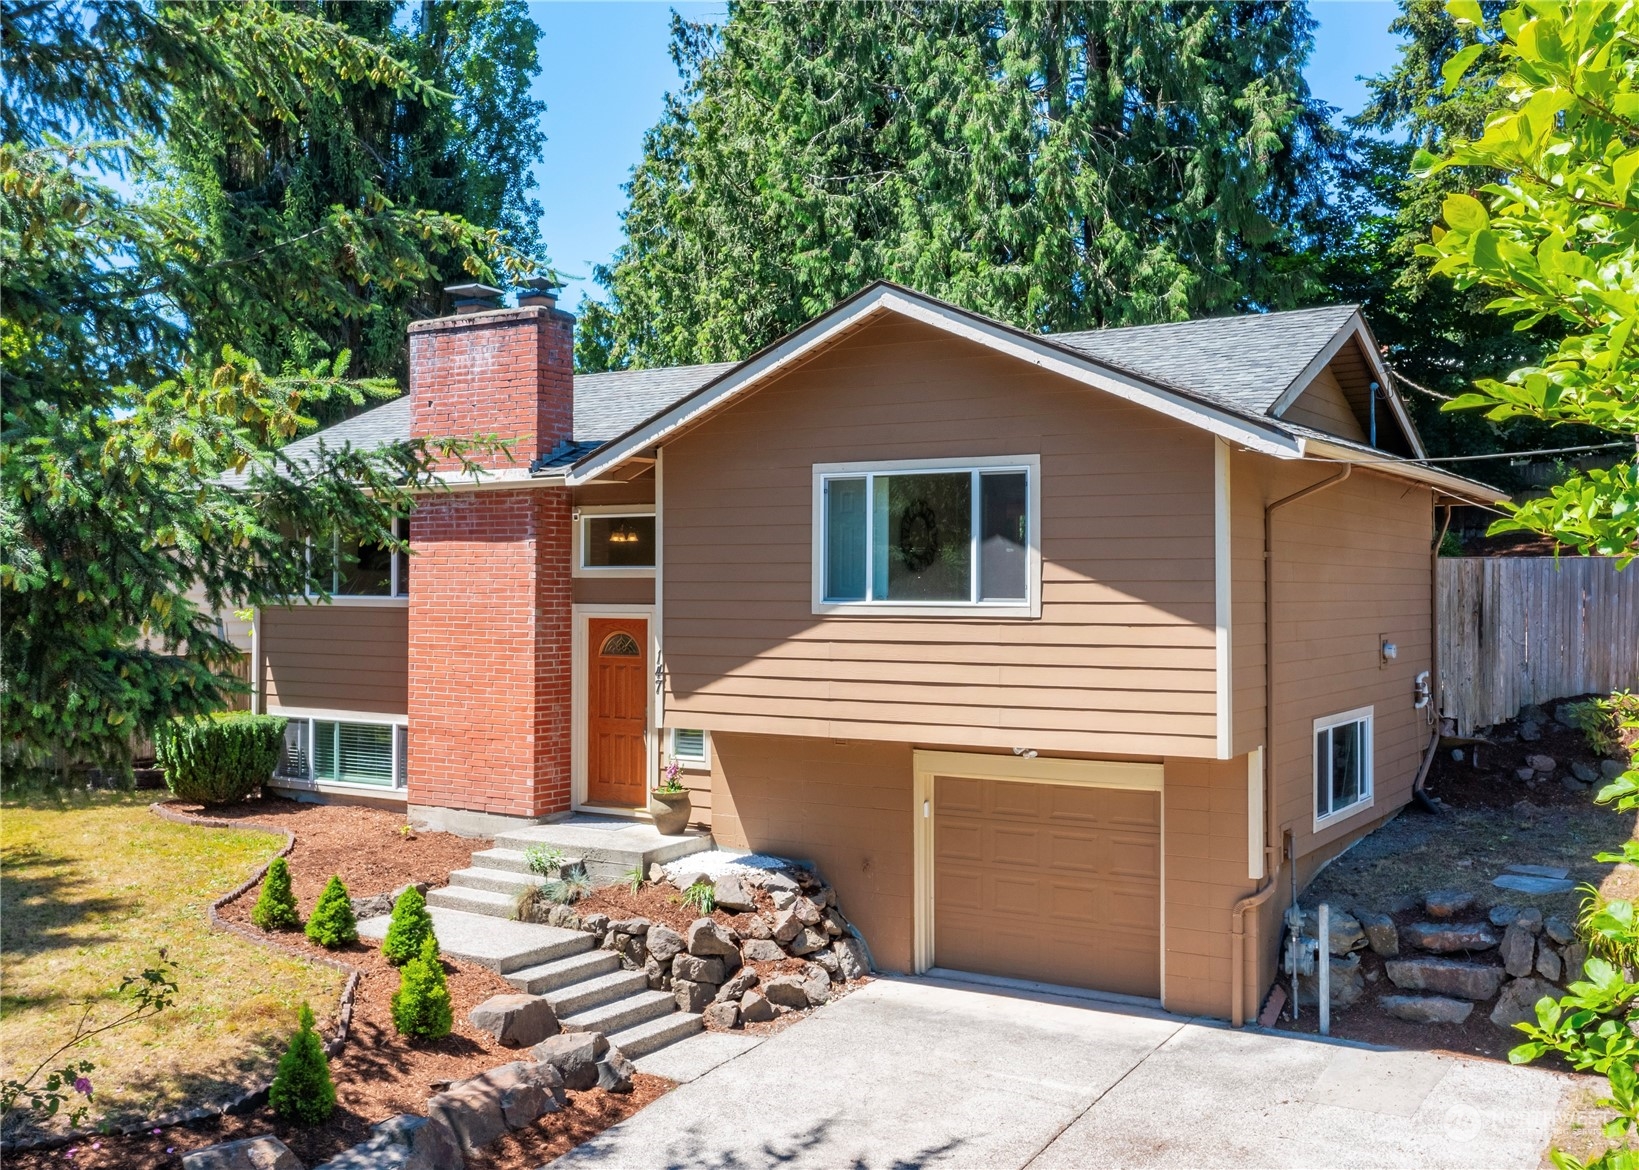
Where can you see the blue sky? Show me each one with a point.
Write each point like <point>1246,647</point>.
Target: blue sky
<point>605,71</point>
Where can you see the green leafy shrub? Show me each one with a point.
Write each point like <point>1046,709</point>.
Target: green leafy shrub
<point>410,926</point>
<point>221,759</point>
<point>1603,721</point>
<point>544,860</point>
<point>421,1005</point>
<point>275,909</point>
<point>302,1090</point>
<point>332,923</point>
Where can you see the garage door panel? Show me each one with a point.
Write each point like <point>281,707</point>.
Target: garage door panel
<point>1058,883</point>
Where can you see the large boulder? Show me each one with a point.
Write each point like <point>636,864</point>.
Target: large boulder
<point>1518,1001</point>
<point>1445,977</point>
<point>723,1015</point>
<point>786,926</point>
<point>486,1107</point>
<point>516,1021</point>
<point>637,926</point>
<point>256,1153</point>
<point>664,943</point>
<point>1446,937</point>
<point>731,893</point>
<point>404,1142</point>
<point>755,1008</point>
<point>852,960</point>
<point>787,991</point>
<point>615,1072</point>
<point>692,996</point>
<point>1380,933</point>
<point>1517,950</point>
<point>707,939</point>
<point>698,970</point>
<point>574,1055</point>
<point>1426,1009</point>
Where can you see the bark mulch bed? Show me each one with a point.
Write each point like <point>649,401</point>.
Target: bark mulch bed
<point>378,1073</point>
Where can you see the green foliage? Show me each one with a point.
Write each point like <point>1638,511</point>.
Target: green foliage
<point>141,486</point>
<point>701,897</point>
<point>421,1005</point>
<point>302,1091</point>
<point>275,909</point>
<point>1058,166</point>
<point>543,860</point>
<point>568,889</point>
<point>634,878</point>
<point>1603,721</point>
<point>408,929</point>
<point>220,759</point>
<point>1557,236</point>
<point>1607,926</point>
<point>332,924</point>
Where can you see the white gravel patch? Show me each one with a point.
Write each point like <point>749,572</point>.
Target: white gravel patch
<point>716,863</point>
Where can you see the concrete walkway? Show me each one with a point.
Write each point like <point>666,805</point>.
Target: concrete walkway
<point>917,1072</point>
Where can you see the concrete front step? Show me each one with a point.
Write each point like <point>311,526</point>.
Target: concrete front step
<point>608,847</point>
<point>489,903</point>
<point>653,1035</point>
<point>622,1013</point>
<point>497,881</point>
<point>596,992</point>
<point>503,947</point>
<point>511,860</point>
<point>549,977</point>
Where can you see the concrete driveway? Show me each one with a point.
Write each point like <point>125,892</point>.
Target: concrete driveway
<point>923,1072</point>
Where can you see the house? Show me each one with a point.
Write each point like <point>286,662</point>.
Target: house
<point>1058,654</point>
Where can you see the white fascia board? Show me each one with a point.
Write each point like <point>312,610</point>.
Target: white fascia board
<point>1454,485</point>
<point>485,479</point>
<point>1353,329</point>
<point>1039,353</point>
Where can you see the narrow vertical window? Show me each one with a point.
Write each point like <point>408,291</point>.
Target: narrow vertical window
<point>845,540</point>
<point>1004,537</point>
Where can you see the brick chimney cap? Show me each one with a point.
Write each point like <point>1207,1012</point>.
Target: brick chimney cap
<point>475,292</point>
<point>541,284</point>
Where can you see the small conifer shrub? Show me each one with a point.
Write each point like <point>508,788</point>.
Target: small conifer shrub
<point>332,924</point>
<point>421,1005</point>
<point>409,927</point>
<point>275,909</point>
<point>302,1090</point>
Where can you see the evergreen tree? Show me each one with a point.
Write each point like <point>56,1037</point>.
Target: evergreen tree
<point>275,908</point>
<point>332,923</point>
<point>421,1005</point>
<point>1057,165</point>
<point>302,1091</point>
<point>409,927</point>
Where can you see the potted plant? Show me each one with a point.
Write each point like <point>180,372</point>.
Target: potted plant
<point>673,816</point>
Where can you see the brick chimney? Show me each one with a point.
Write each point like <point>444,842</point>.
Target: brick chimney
<point>489,620</point>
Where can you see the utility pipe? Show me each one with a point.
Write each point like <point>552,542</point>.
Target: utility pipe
<point>1237,916</point>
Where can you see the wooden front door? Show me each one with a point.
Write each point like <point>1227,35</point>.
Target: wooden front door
<point>617,706</point>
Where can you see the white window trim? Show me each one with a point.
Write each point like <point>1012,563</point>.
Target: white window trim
<point>700,763</point>
<point>579,567</point>
<point>1029,608</point>
<point>392,599</point>
<point>1364,715</point>
<point>312,714</point>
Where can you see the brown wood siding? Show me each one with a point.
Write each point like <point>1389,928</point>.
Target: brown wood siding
<point>1351,567</point>
<point>613,590</point>
<point>337,657</point>
<point>1323,406</point>
<point>1121,660</point>
<point>845,806</point>
<point>1205,821</point>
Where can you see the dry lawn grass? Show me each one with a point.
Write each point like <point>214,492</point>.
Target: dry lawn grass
<point>90,887</point>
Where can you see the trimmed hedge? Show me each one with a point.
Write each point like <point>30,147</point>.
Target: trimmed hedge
<point>221,759</point>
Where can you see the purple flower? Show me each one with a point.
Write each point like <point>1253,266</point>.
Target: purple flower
<point>82,1085</point>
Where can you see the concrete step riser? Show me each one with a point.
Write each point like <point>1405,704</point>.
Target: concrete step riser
<point>470,901</point>
<point>564,973</point>
<point>594,993</point>
<point>511,861</point>
<point>652,1037</point>
<point>497,881</point>
<point>621,859</point>
<point>621,1015</point>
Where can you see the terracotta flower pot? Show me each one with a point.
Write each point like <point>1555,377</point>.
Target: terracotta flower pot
<point>673,815</point>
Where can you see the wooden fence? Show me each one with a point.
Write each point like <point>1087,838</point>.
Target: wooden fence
<point>1518,630</point>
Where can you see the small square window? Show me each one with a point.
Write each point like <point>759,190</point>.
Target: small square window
<point>1343,763</point>
<point>690,748</point>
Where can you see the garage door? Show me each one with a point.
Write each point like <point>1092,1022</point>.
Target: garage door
<point>1053,882</point>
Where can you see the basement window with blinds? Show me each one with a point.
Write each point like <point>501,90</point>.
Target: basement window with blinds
<point>690,748</point>
<point>329,751</point>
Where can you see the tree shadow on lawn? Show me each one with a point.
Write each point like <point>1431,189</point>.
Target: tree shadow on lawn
<point>44,898</point>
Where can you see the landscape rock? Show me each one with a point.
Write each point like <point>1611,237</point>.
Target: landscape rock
<point>724,1015</point>
<point>1548,963</point>
<point>707,939</point>
<point>807,912</point>
<point>1572,784</point>
<point>851,960</point>
<point>759,927</point>
<point>783,899</point>
<point>631,925</point>
<point>1531,919</point>
<point>256,1153</point>
<point>780,881</point>
<point>786,926</point>
<point>698,970</point>
<point>1584,771</point>
<point>574,1055</point>
<point>1611,769</point>
<point>1426,1009</point>
<point>755,1008</point>
<point>732,894</point>
<point>1447,903</point>
<point>807,942</point>
<point>629,947</point>
<point>404,1142</point>
<point>743,982</point>
<point>596,923</point>
<point>827,962</point>
<point>692,996</point>
<point>483,1108</point>
<point>1530,731</point>
<point>761,950</point>
<point>816,982</point>
<point>1344,928</point>
<point>1518,950</point>
<point>1526,773</point>
<point>664,943</point>
<point>1445,977</point>
<point>1541,763</point>
<point>1503,915</point>
<point>659,977</point>
<point>516,1021</point>
<point>1518,1002</point>
<point>657,872</point>
<point>1449,936</point>
<point>1559,930</point>
<point>785,991</point>
<point>1380,933</point>
<point>1347,982</point>
<point>1403,902</point>
<point>615,1072</point>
